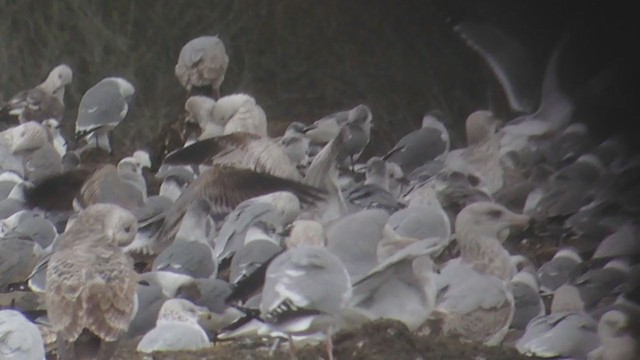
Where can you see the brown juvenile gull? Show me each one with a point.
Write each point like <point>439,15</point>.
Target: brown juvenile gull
<point>480,229</point>
<point>91,283</point>
<point>225,187</point>
<point>123,185</point>
<point>238,149</point>
<point>45,101</point>
<point>202,63</point>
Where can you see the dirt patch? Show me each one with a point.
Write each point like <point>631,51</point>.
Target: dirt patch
<point>377,340</point>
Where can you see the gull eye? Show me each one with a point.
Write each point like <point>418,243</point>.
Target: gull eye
<point>127,229</point>
<point>495,213</point>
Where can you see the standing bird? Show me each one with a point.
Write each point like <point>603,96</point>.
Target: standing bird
<point>101,109</point>
<point>91,284</point>
<point>202,63</point>
<point>45,101</point>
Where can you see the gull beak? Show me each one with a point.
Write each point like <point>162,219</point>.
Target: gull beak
<point>521,221</point>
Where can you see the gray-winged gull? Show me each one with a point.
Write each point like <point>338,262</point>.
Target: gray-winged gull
<point>401,287</point>
<point>202,62</point>
<point>354,240</point>
<point>430,142</point>
<point>177,328</point>
<point>190,253</point>
<point>150,298</point>
<point>233,234</point>
<point>250,257</point>
<point>305,288</point>
<point>90,282</point>
<point>174,180</point>
<point>295,144</point>
<point>623,242</point>
<point>422,221</point>
<point>595,284</point>
<point>557,271</point>
<point>618,333</point>
<point>45,101</point>
<point>473,305</point>
<point>101,109</point>
<point>359,124</point>
<point>19,338</point>
<point>528,303</point>
<point>569,334</point>
<point>19,255</point>
<point>211,294</point>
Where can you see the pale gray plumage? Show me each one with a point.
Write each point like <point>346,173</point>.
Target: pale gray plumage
<point>176,329</point>
<point>354,239</point>
<point>19,338</point>
<point>528,303</point>
<point>101,109</point>
<point>402,287</point>
<point>566,334</point>
<point>202,62</point>
<point>306,280</point>
<point>557,271</point>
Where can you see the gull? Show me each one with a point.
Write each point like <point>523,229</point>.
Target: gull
<point>295,144</point>
<point>327,128</point>
<point>359,124</point>
<point>240,113</point>
<point>45,101</point>
<point>55,136</point>
<point>481,157</point>
<point>511,64</point>
<point>19,338</point>
<point>177,329</point>
<point>305,288</point>
<point>618,337</point>
<point>480,230</point>
<point>623,242</point>
<point>374,192</point>
<point>174,180</point>
<point>90,282</point>
<point>528,303</point>
<point>473,305</point>
<point>354,240</point>
<point>190,253</point>
<point>225,188</point>
<point>200,111</point>
<point>422,220</point>
<point>122,185</point>
<point>202,63</point>
<point>19,255</point>
<point>19,142</point>
<point>557,271</point>
<point>150,298</point>
<point>560,334</point>
<point>101,109</point>
<point>430,142</point>
<point>401,287</point>
<point>241,150</point>
<point>305,232</point>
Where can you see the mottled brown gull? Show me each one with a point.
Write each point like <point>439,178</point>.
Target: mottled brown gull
<point>91,283</point>
<point>45,101</point>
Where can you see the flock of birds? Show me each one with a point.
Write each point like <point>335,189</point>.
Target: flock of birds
<point>297,237</point>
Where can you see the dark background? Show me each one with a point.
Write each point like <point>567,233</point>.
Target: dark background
<point>304,59</point>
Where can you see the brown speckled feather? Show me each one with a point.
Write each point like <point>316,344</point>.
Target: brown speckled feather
<point>225,187</point>
<point>90,286</point>
<point>106,186</point>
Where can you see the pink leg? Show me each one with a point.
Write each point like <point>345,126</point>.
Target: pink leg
<point>329,345</point>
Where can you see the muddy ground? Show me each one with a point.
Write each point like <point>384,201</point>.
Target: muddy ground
<point>377,340</point>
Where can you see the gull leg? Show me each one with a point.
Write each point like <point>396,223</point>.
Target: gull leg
<point>292,349</point>
<point>328,344</point>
